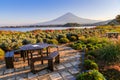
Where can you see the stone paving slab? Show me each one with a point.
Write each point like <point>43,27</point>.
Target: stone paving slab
<point>1,73</point>
<point>77,56</point>
<point>65,73</point>
<point>45,77</point>
<point>73,70</point>
<point>7,71</point>
<point>13,78</point>
<point>69,77</point>
<point>55,76</point>
<point>74,63</point>
<point>31,75</point>
<point>19,69</point>
<point>67,65</point>
<point>34,79</point>
<point>60,66</point>
<point>43,72</point>
<point>21,76</point>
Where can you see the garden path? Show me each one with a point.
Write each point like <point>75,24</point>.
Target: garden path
<point>66,70</point>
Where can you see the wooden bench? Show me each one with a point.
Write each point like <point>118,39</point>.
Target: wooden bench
<point>50,58</point>
<point>9,58</point>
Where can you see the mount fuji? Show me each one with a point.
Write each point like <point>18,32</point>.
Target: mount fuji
<point>68,18</point>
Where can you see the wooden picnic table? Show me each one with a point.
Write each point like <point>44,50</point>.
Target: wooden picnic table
<point>27,51</point>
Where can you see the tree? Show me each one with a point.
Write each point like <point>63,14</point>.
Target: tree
<point>72,25</point>
<point>118,18</point>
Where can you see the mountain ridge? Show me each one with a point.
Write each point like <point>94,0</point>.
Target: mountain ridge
<point>68,18</point>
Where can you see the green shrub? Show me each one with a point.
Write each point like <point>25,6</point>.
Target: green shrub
<point>48,36</point>
<point>78,46</point>
<point>2,52</point>
<point>91,75</point>
<point>61,36</point>
<point>92,40</point>
<point>64,40</point>
<point>52,41</point>
<point>73,38</point>
<point>90,65</point>
<point>82,38</point>
<point>99,45</point>
<point>25,41</point>
<point>111,74</point>
<point>93,53</point>
<point>90,57</point>
<point>89,45</point>
<point>110,53</point>
<point>40,40</point>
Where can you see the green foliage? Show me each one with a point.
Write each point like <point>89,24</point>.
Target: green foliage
<point>2,53</point>
<point>91,75</point>
<point>9,39</point>
<point>64,40</point>
<point>90,65</point>
<point>71,25</point>
<point>40,40</point>
<point>25,41</point>
<point>111,74</point>
<point>73,38</point>
<point>28,41</point>
<point>110,53</point>
<point>90,43</point>
<point>77,46</point>
<point>61,36</point>
<point>118,18</point>
<point>52,41</point>
<point>90,57</point>
<point>93,53</point>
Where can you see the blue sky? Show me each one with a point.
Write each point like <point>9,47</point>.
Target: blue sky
<point>15,12</point>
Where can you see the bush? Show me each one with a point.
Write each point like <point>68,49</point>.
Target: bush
<point>25,41</point>
<point>40,40</point>
<point>93,53</point>
<point>78,46</point>
<point>91,75</point>
<point>82,38</point>
<point>73,38</point>
<point>90,57</point>
<point>64,40</point>
<point>2,52</point>
<point>90,65</point>
<point>110,53</point>
<point>111,74</point>
<point>61,36</point>
<point>52,41</point>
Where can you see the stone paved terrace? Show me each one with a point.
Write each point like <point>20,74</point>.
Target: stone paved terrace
<point>66,70</point>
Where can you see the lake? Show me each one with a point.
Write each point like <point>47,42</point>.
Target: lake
<point>43,28</point>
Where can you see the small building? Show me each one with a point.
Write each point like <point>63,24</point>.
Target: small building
<point>112,34</point>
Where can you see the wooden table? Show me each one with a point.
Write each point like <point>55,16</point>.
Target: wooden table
<point>29,49</point>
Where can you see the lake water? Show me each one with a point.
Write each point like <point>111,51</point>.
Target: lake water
<point>43,28</point>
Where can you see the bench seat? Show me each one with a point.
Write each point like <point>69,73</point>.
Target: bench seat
<point>9,58</point>
<point>50,58</point>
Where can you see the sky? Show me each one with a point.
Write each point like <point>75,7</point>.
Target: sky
<point>18,12</point>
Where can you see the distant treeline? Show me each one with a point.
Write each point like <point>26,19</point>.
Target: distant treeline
<point>65,25</point>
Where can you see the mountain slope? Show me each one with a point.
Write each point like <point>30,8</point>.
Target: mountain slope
<point>103,22</point>
<point>69,18</point>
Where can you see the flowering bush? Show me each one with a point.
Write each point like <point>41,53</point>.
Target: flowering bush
<point>64,40</point>
<point>90,65</point>
<point>91,75</point>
